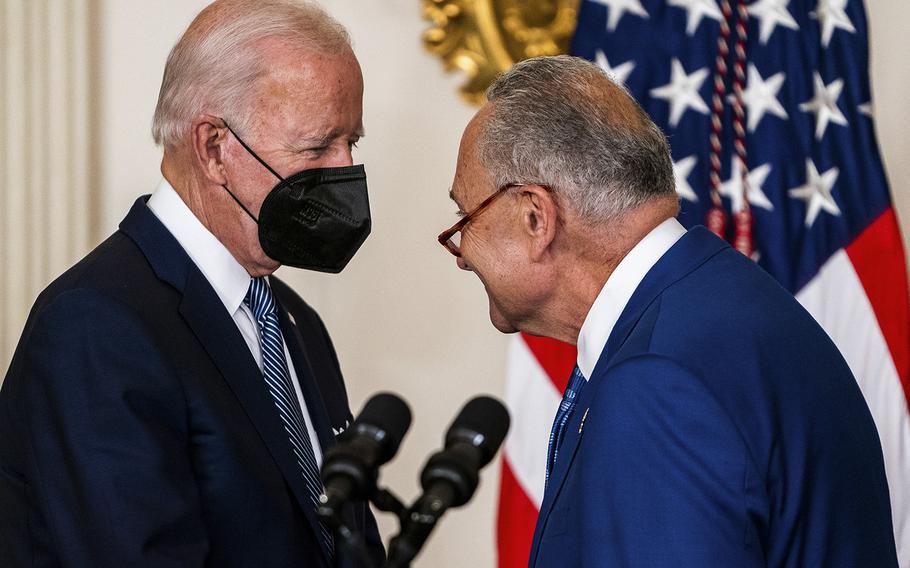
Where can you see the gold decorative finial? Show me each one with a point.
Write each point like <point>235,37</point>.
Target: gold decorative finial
<point>483,38</point>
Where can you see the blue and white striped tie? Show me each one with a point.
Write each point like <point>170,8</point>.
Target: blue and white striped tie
<point>278,379</point>
<point>557,433</point>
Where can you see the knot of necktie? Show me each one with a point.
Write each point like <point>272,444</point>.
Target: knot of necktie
<point>260,299</point>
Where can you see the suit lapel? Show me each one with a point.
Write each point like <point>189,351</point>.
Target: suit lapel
<point>308,384</point>
<point>311,393</point>
<point>567,453</point>
<point>217,332</point>
<point>206,316</point>
<point>690,252</point>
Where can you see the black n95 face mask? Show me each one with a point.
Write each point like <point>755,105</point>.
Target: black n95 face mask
<point>315,219</point>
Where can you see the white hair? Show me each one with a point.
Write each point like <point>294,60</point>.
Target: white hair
<point>214,65</point>
<point>561,122</point>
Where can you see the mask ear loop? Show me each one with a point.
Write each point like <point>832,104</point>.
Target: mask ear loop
<point>258,159</point>
<point>242,206</point>
<point>252,153</point>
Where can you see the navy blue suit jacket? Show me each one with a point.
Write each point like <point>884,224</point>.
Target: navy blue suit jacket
<point>136,429</point>
<point>721,427</point>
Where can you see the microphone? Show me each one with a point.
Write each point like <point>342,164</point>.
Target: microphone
<point>350,469</point>
<point>450,477</point>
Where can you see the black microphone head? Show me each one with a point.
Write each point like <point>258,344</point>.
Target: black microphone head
<point>483,422</point>
<point>386,418</point>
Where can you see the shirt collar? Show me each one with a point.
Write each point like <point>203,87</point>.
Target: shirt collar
<point>618,290</point>
<point>229,279</point>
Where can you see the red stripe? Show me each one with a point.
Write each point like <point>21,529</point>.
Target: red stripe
<point>515,526</point>
<point>556,358</point>
<point>878,258</point>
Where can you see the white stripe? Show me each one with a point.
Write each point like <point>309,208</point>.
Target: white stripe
<point>837,300</point>
<point>281,397</point>
<point>296,436</point>
<point>272,344</point>
<point>283,404</point>
<point>533,400</point>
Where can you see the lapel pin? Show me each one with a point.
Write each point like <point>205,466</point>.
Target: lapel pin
<point>581,426</point>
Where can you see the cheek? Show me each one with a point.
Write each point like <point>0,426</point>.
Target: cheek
<point>480,244</point>
<point>251,182</point>
<point>497,265</point>
<point>257,189</point>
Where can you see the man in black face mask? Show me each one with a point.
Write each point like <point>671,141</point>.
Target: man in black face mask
<point>170,401</point>
<point>315,219</point>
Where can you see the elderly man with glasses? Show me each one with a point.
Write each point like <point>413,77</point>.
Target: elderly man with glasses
<point>709,420</point>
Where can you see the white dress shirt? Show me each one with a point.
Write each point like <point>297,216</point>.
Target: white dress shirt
<point>229,279</point>
<point>618,290</point>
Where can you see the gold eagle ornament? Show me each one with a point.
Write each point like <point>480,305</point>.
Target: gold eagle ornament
<point>483,38</point>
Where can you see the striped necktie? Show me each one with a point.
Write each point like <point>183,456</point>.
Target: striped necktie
<point>278,379</point>
<point>557,433</point>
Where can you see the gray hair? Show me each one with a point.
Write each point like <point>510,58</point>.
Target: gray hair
<point>215,64</point>
<point>561,122</point>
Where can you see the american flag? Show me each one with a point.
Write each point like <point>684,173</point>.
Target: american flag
<point>801,159</point>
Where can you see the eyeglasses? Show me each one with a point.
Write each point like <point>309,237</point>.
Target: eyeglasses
<point>451,237</point>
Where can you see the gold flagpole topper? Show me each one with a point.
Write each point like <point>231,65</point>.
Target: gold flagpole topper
<point>483,38</point>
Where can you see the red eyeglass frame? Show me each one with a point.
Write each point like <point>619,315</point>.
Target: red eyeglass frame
<point>445,236</point>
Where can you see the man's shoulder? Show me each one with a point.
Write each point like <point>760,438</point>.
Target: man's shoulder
<point>736,329</point>
<point>728,296</point>
<point>116,274</point>
<point>113,268</point>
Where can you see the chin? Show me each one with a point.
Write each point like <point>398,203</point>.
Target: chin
<point>264,266</point>
<point>500,321</point>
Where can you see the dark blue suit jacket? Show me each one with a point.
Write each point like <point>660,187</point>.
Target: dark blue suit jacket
<point>136,429</point>
<point>721,427</point>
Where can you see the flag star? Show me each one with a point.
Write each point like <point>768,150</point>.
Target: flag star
<point>831,14</point>
<point>681,171</point>
<point>620,73</point>
<point>772,13</point>
<point>817,192</point>
<point>733,187</point>
<point>682,92</point>
<point>866,108</point>
<point>760,96</point>
<point>616,9</point>
<point>697,10</point>
<point>824,105</point>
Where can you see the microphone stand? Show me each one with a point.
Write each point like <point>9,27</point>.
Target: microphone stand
<point>449,479</point>
<point>350,540</point>
<point>415,525</point>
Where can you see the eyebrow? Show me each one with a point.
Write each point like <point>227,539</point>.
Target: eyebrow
<point>461,211</point>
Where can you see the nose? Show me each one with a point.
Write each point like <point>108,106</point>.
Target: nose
<point>462,264</point>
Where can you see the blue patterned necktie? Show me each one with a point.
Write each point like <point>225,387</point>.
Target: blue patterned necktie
<point>557,434</point>
<point>278,379</point>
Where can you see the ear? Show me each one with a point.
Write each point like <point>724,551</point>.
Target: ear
<point>538,219</point>
<point>209,136</point>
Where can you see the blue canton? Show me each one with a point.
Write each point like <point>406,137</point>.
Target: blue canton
<point>815,175</point>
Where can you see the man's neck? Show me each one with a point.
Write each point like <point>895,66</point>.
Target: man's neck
<point>586,269</point>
